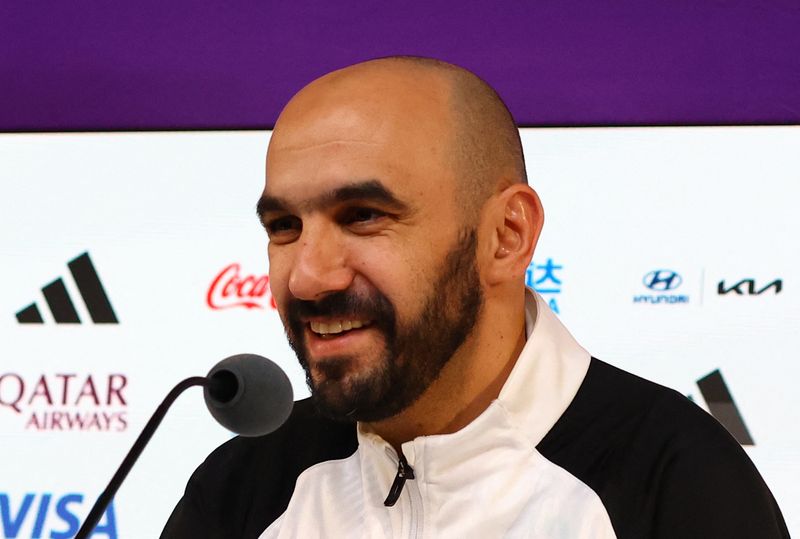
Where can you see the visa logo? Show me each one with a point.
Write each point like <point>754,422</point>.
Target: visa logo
<point>54,517</point>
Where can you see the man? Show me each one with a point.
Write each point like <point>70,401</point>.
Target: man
<point>448,401</point>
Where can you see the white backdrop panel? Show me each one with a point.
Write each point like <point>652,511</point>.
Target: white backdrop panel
<point>163,214</point>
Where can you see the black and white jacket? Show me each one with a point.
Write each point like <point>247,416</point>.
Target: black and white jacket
<point>571,448</point>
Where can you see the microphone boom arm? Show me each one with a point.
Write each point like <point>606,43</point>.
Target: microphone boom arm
<point>105,498</point>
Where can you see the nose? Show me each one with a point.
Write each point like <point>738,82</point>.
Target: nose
<point>320,266</point>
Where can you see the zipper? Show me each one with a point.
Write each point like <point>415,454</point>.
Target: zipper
<point>417,520</point>
<point>404,472</point>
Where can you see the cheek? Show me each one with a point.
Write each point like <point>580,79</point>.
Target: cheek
<point>402,278</point>
<point>278,275</point>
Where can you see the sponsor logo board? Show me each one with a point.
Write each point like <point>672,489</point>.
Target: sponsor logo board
<point>748,287</point>
<point>60,303</point>
<point>546,280</point>
<point>66,401</point>
<point>50,515</point>
<point>722,406</point>
<point>232,288</point>
<point>662,284</point>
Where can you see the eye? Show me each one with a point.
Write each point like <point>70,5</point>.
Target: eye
<point>359,215</point>
<point>283,229</point>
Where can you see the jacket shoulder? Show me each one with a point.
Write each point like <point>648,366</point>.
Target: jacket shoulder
<point>662,466</point>
<point>247,482</point>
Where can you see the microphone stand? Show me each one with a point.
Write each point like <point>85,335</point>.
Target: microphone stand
<point>105,498</point>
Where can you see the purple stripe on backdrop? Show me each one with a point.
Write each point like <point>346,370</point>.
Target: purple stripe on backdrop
<point>185,65</point>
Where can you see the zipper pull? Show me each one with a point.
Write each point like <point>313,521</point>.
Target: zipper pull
<point>404,471</point>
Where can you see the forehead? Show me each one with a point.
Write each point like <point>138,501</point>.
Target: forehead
<point>345,134</point>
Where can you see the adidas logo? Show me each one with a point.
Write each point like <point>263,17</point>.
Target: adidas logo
<point>60,304</point>
<point>721,406</point>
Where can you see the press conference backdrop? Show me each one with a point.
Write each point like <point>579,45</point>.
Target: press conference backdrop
<point>133,260</point>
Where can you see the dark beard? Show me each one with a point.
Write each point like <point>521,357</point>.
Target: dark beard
<point>415,353</point>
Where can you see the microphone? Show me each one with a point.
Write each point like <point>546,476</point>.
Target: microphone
<point>246,393</point>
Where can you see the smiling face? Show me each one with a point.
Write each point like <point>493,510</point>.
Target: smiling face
<point>405,357</point>
<point>371,265</point>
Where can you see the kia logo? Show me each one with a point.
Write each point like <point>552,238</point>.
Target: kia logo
<point>662,280</point>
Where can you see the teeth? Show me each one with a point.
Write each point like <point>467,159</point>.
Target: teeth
<point>337,326</point>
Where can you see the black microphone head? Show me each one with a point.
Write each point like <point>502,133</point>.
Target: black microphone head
<point>249,394</point>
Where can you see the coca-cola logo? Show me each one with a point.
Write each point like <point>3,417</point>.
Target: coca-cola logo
<point>231,288</point>
<point>66,401</point>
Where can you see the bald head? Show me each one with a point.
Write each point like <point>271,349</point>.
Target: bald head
<point>453,116</point>
<point>486,147</point>
<point>397,214</point>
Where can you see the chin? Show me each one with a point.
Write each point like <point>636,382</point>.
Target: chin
<point>346,393</point>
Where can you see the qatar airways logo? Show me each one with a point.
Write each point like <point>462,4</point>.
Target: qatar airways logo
<point>65,401</point>
<point>234,288</point>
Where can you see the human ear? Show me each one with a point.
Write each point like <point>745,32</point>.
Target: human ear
<point>517,226</point>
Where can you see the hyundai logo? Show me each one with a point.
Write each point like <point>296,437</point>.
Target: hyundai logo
<point>662,280</point>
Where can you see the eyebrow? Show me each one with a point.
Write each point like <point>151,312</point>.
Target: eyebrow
<point>369,190</point>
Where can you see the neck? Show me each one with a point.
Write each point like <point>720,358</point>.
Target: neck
<point>468,383</point>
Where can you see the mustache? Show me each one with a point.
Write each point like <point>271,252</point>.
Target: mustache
<point>342,304</point>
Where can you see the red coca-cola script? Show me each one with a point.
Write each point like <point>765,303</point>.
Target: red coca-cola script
<point>230,288</point>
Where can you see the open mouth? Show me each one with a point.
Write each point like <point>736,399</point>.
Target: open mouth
<point>335,328</point>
